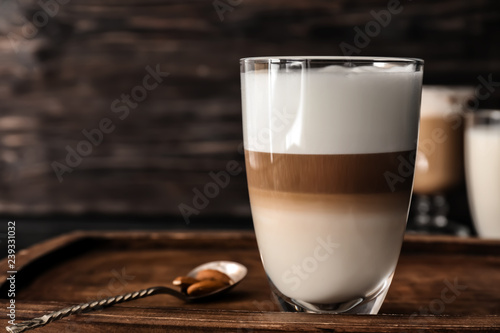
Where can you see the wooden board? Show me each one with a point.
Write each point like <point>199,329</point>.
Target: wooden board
<point>83,266</point>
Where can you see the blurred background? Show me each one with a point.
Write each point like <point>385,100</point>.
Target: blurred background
<point>117,114</point>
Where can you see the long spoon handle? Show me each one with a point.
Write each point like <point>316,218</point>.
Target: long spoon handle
<point>91,306</point>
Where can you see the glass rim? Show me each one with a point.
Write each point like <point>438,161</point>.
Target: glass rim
<point>332,59</point>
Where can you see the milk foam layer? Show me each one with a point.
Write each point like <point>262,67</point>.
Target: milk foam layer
<point>440,101</point>
<point>333,110</point>
<point>482,148</point>
<point>329,248</point>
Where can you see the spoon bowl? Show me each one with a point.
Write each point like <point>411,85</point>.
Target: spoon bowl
<point>234,270</point>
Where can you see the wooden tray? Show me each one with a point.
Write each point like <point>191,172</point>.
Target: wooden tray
<point>82,266</point>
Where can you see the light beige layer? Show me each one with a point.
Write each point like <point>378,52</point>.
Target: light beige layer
<point>329,248</point>
<point>293,201</point>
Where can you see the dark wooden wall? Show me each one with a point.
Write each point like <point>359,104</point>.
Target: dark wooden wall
<point>63,78</point>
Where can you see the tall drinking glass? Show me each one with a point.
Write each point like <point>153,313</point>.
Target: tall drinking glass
<point>330,146</point>
<point>482,162</point>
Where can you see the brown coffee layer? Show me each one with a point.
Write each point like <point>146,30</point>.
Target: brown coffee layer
<point>341,173</point>
<point>440,155</point>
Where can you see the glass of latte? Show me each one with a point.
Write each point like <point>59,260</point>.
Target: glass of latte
<point>439,169</point>
<point>330,146</point>
<point>482,162</point>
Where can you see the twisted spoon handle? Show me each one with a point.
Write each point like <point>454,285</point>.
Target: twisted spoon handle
<point>91,306</point>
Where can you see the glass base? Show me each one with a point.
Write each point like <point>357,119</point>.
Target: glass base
<point>363,305</point>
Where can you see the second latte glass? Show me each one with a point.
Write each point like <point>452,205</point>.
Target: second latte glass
<point>482,161</point>
<point>330,146</point>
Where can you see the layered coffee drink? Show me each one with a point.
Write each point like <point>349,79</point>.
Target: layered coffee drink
<point>329,156</point>
<point>439,164</point>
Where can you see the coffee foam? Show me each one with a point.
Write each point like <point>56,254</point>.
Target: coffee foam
<point>439,101</point>
<point>333,110</point>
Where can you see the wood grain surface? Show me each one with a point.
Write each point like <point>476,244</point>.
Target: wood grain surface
<point>85,266</point>
<point>63,77</point>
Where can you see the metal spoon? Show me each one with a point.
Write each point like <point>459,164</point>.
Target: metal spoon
<point>234,270</point>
